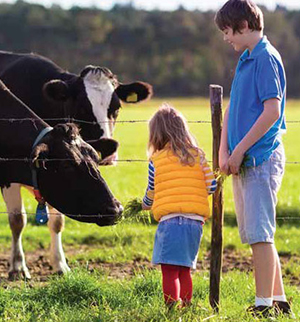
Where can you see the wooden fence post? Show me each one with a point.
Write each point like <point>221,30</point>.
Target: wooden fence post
<point>216,97</point>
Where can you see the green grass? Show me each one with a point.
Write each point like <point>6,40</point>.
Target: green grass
<point>81,296</point>
<point>127,241</point>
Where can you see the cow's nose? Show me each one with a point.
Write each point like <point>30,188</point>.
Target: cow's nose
<point>118,207</point>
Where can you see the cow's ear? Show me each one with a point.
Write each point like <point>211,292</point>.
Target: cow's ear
<point>39,152</point>
<point>134,92</point>
<point>57,90</point>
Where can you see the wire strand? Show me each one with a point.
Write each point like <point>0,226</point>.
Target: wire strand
<point>28,160</point>
<point>73,120</point>
<point>110,215</point>
<point>58,214</point>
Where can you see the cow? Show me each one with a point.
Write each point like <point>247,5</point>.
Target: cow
<point>64,165</point>
<point>92,99</point>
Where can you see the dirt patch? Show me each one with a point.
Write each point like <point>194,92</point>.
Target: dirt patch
<point>40,268</point>
<point>232,260</point>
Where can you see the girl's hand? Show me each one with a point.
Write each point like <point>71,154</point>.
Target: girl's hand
<point>145,207</point>
<point>235,161</point>
<point>223,162</point>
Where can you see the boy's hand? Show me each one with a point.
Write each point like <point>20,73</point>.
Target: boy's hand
<point>235,161</point>
<point>223,162</point>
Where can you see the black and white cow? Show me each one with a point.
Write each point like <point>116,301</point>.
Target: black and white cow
<point>65,166</point>
<point>54,94</point>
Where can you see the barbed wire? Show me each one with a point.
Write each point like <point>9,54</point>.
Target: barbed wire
<point>51,160</point>
<point>59,214</point>
<point>94,123</point>
<point>29,160</point>
<point>110,215</point>
<point>73,120</point>
<point>69,119</point>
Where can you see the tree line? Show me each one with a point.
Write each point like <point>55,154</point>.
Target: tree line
<point>179,52</point>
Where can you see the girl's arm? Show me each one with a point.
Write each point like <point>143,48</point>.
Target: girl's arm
<point>268,117</point>
<point>149,194</point>
<point>210,180</point>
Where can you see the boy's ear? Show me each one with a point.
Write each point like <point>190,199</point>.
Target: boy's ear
<point>244,26</point>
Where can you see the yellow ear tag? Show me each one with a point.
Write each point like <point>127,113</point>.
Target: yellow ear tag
<point>100,155</point>
<point>37,163</point>
<point>132,98</point>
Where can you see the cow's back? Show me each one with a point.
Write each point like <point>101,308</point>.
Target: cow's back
<point>25,75</point>
<point>7,59</point>
<point>13,63</point>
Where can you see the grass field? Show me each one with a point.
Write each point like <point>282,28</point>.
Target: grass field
<point>97,296</point>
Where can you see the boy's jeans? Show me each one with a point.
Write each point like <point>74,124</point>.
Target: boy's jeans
<point>255,197</point>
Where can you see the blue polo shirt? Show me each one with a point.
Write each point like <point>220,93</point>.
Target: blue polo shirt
<point>259,76</point>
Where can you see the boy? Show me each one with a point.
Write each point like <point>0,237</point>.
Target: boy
<point>251,142</point>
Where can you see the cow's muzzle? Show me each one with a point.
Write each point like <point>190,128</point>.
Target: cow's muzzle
<point>112,215</point>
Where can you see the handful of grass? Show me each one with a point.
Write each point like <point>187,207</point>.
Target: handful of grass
<point>133,212</point>
<point>220,177</point>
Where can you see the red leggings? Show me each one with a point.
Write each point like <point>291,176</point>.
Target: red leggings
<point>177,283</point>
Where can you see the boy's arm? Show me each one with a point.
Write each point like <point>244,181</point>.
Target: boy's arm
<point>223,151</point>
<point>149,194</point>
<point>269,116</point>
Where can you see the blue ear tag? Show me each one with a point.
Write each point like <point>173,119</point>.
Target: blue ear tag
<point>41,215</point>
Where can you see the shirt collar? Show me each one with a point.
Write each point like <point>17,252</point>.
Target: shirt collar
<point>256,50</point>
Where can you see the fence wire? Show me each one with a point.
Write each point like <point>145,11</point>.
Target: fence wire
<point>54,214</point>
<point>134,217</point>
<point>73,120</point>
<point>28,160</point>
<point>70,119</point>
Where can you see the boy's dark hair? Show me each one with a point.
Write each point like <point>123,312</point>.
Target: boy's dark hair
<point>235,12</point>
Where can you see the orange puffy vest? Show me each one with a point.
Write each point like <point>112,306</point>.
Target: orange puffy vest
<point>178,188</point>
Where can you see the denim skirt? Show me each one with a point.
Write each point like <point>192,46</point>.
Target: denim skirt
<point>177,242</point>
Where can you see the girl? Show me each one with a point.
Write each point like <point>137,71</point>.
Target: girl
<point>179,183</point>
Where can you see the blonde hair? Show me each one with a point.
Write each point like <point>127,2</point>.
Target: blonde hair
<point>168,129</point>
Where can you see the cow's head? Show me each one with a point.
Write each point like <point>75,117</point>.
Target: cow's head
<point>95,97</point>
<point>68,177</point>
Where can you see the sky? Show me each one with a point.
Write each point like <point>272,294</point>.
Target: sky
<point>160,4</point>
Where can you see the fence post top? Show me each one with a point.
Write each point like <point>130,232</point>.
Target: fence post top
<point>212,86</point>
